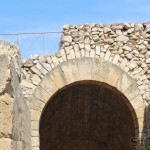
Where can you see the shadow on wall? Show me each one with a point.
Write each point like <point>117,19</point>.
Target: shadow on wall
<point>144,143</point>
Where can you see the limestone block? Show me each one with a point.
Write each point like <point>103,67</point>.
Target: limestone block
<point>127,48</point>
<point>48,85</point>
<point>6,116</point>
<point>148,28</point>
<point>121,38</point>
<point>35,70</point>
<point>35,141</point>
<point>6,144</point>
<point>124,82</point>
<point>35,115</point>
<point>37,104</point>
<point>35,148</point>
<point>84,68</point>
<point>35,133</point>
<point>4,72</point>
<point>70,70</point>
<point>132,91</point>
<point>35,125</point>
<point>27,84</point>
<point>67,39</point>
<point>113,75</point>
<point>55,60</point>
<point>100,69</point>
<point>140,111</point>
<point>115,59</point>
<point>58,77</point>
<point>41,94</point>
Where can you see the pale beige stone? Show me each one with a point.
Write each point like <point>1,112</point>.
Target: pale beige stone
<point>70,70</point>
<point>6,144</point>
<point>27,84</point>
<point>124,82</point>
<point>100,69</point>
<point>35,141</point>
<point>58,77</point>
<point>132,91</point>
<point>84,68</point>
<point>41,94</point>
<point>35,115</point>
<point>48,85</point>
<point>113,75</point>
<point>6,116</point>
<point>34,125</point>
<point>37,104</point>
<point>4,72</point>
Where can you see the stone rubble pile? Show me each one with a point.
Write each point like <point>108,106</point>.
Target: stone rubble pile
<point>127,45</point>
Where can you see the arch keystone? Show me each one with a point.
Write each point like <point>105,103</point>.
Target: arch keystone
<point>70,70</point>
<point>84,67</point>
<point>100,69</point>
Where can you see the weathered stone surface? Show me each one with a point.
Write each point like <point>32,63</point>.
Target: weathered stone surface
<point>127,48</point>
<point>27,84</point>
<point>6,144</point>
<point>6,118</point>
<point>124,45</point>
<point>4,72</point>
<point>122,38</point>
<point>66,39</point>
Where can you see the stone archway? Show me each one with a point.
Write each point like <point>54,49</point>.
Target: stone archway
<point>87,116</point>
<point>88,69</point>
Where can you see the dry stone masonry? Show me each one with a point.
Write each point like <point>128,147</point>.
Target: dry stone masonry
<point>125,45</point>
<point>115,54</point>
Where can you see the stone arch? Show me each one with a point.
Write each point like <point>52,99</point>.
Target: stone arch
<point>88,69</point>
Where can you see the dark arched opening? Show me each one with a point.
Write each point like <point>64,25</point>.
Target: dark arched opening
<point>86,116</point>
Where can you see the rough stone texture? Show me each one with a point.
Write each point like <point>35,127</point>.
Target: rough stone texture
<point>6,119</point>
<point>14,113</point>
<point>125,47</point>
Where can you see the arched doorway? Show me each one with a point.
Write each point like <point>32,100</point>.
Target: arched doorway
<point>87,116</point>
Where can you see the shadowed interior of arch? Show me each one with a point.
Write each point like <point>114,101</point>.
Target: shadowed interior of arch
<point>86,116</point>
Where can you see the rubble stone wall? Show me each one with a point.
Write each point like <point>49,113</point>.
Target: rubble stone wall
<point>125,45</point>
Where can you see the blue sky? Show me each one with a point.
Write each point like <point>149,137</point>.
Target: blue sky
<point>50,15</point>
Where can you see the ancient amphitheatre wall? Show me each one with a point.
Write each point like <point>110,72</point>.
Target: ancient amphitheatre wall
<point>126,46</point>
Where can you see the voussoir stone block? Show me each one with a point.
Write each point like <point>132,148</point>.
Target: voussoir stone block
<point>36,104</point>
<point>132,91</point>
<point>35,115</point>
<point>41,94</point>
<point>124,82</point>
<point>58,77</point>
<point>137,102</point>
<point>49,85</point>
<point>35,141</point>
<point>85,68</point>
<point>35,125</point>
<point>70,70</point>
<point>113,75</point>
<point>100,69</point>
